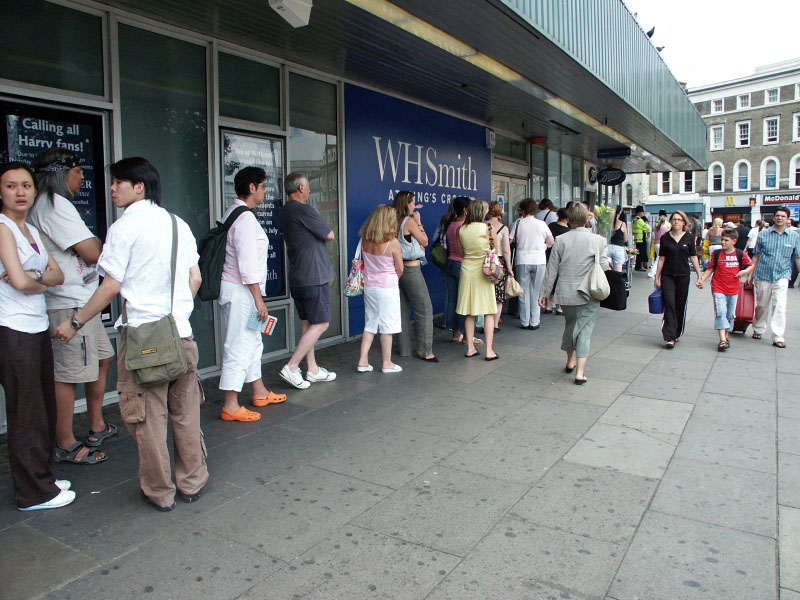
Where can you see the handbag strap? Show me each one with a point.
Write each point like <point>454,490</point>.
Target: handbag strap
<point>597,252</point>
<point>357,255</point>
<point>489,235</point>
<point>172,264</point>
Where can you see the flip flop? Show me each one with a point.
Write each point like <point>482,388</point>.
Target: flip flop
<point>495,357</point>
<point>270,398</point>
<point>580,381</point>
<point>756,336</point>
<point>471,355</point>
<point>243,415</point>
<point>779,344</point>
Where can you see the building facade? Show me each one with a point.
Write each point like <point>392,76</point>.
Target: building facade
<point>753,153</point>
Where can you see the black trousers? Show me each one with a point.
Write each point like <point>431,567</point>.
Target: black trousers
<point>26,374</point>
<point>674,293</point>
<point>643,255</point>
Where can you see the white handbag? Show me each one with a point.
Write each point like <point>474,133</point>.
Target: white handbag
<point>598,282</point>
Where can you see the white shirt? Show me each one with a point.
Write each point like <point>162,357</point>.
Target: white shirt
<point>19,311</point>
<point>547,215</point>
<point>752,238</point>
<point>530,235</point>
<point>62,227</point>
<point>137,254</point>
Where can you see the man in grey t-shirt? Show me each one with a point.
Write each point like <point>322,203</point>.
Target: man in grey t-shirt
<point>306,234</point>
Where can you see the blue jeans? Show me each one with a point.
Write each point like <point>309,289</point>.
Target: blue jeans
<point>452,275</point>
<point>724,311</point>
<point>530,279</point>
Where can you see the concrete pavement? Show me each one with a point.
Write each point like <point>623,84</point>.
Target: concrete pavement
<point>671,474</point>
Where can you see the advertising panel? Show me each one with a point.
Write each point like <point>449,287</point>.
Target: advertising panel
<point>394,145</point>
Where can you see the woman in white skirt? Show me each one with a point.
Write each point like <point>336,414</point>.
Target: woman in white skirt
<point>383,265</point>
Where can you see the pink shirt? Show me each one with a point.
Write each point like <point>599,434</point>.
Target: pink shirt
<point>660,231</point>
<point>379,270</point>
<point>246,251</point>
<point>453,243</point>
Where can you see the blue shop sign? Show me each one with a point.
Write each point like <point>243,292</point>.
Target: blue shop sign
<point>393,145</point>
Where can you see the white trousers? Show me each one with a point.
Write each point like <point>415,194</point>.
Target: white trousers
<point>241,354</point>
<point>771,307</point>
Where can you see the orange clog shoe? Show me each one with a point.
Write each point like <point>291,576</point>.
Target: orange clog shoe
<point>244,415</point>
<point>270,398</point>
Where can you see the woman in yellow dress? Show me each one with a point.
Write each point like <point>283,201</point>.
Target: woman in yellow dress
<point>475,291</point>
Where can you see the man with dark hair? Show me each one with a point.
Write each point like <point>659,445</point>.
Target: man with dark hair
<point>305,234</point>
<point>742,231</point>
<point>136,263</point>
<point>696,228</point>
<point>776,248</point>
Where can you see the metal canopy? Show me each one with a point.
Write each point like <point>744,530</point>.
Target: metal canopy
<point>347,42</point>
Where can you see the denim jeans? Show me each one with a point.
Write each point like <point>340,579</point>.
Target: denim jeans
<point>724,310</point>
<point>530,279</point>
<point>452,275</point>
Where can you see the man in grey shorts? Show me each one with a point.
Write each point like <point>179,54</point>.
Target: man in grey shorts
<point>305,234</point>
<point>86,358</point>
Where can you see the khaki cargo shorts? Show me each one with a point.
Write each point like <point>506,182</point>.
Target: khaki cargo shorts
<point>78,361</point>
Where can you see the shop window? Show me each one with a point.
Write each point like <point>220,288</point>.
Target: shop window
<point>743,134</point>
<point>577,179</point>
<point>314,150</point>
<point>716,137</point>
<point>794,171</point>
<point>687,182</point>
<point>769,173</point>
<point>554,177</point>
<point>665,185</point>
<point>566,179</point>
<point>538,172</point>
<point>163,113</point>
<point>796,127</point>
<point>716,106</point>
<point>628,195</point>
<point>742,176</point>
<point>771,126</point>
<point>52,45</point>
<point>510,148</point>
<point>249,90</point>
<point>772,96</point>
<point>743,101</point>
<point>716,178</point>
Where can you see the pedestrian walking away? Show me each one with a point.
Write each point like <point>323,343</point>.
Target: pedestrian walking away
<point>305,234</point>
<point>135,263</point>
<point>776,248</point>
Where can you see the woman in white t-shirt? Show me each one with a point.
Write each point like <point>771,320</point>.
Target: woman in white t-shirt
<point>532,237</point>
<point>752,237</point>
<point>26,357</point>
<point>547,211</point>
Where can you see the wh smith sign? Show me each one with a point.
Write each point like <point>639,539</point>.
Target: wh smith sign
<point>394,145</point>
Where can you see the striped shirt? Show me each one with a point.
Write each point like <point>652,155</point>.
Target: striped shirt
<point>775,254</point>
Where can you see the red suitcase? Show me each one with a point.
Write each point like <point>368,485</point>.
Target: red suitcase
<point>745,307</point>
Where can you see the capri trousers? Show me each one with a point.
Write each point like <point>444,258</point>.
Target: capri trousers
<point>243,347</point>
<point>578,326</point>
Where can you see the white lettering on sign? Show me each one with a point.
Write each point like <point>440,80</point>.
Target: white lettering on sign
<point>455,176</point>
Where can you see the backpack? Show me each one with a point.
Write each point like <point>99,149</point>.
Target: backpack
<point>739,257</point>
<point>212,255</point>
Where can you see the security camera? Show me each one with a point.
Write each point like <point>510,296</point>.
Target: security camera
<point>295,12</point>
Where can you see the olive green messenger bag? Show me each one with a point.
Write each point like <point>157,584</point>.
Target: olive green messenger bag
<point>154,350</point>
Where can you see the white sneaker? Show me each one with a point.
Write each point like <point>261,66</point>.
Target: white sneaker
<point>322,375</point>
<point>63,484</point>
<point>294,378</point>
<point>64,497</point>
<point>366,369</point>
<point>394,369</point>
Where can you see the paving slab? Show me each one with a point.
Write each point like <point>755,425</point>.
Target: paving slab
<point>509,453</point>
<point>718,494</point>
<point>789,435</point>
<point>523,560</point>
<point>673,558</point>
<point>619,370</point>
<point>789,545</point>
<point>660,418</point>
<point>558,417</point>
<point>390,457</point>
<point>454,418</point>
<point>587,501</point>
<point>669,366</point>
<point>628,348</point>
<point>787,594</point>
<point>25,551</point>
<point>214,568</point>
<point>445,509</point>
<point>622,449</point>
<point>354,563</point>
<point>597,391</point>
<point>659,386</point>
<point>502,391</point>
<point>287,516</point>
<point>789,479</point>
<point>734,410</point>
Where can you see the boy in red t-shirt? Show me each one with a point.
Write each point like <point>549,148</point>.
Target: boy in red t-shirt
<point>728,265</point>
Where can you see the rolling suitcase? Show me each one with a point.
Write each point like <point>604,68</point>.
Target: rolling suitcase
<point>745,308</point>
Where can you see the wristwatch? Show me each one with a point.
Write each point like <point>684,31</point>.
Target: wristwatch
<point>75,324</point>
<point>39,275</point>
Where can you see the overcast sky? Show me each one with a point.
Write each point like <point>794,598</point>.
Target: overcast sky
<point>708,41</point>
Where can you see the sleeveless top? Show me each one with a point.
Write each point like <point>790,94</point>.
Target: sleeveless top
<point>18,311</point>
<point>409,250</point>
<point>379,269</point>
<point>618,237</point>
<point>714,240</point>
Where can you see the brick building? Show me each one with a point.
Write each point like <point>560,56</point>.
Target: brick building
<point>753,145</point>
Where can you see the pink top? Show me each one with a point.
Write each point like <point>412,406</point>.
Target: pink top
<point>379,269</point>
<point>453,244</point>
<point>246,251</point>
<point>659,232</point>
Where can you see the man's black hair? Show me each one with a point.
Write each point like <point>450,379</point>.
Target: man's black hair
<point>244,177</point>
<point>139,170</point>
<point>784,210</point>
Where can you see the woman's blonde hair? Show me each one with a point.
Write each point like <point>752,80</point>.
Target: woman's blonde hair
<point>401,201</point>
<point>381,225</point>
<point>683,216</point>
<point>476,211</point>
<point>495,209</point>
<point>661,220</point>
<point>718,222</point>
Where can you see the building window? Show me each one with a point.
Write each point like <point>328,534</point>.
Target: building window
<point>687,182</point>
<point>769,173</point>
<point>797,91</point>
<point>716,137</point>
<point>771,130</point>
<point>743,101</point>
<point>743,134</point>
<point>741,179</point>
<point>772,96</point>
<point>715,178</point>
<point>666,183</point>
<point>796,127</point>
<point>794,171</point>
<point>629,195</point>
<point>716,106</point>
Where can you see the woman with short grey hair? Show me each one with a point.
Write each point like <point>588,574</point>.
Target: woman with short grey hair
<point>572,259</point>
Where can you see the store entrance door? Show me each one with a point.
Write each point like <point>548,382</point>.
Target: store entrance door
<point>509,191</point>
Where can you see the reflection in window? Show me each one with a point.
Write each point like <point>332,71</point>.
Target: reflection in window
<point>554,177</point>
<point>716,178</point>
<point>743,176</point>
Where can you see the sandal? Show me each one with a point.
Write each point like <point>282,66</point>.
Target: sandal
<point>95,438</point>
<point>70,455</point>
<point>270,398</point>
<point>756,336</point>
<point>669,345</point>
<point>243,415</point>
<point>779,344</point>
<point>723,346</point>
